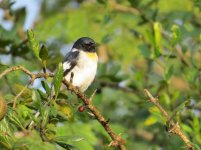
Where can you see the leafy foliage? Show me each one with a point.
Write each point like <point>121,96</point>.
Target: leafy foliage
<point>142,44</point>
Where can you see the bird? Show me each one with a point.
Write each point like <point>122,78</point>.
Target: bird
<point>80,63</point>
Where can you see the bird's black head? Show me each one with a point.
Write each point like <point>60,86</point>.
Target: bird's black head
<point>86,44</point>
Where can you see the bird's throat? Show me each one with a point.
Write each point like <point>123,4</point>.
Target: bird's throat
<point>92,55</point>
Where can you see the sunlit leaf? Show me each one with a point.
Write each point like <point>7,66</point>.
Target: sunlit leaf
<point>3,108</point>
<point>176,35</point>
<point>33,43</point>
<point>157,39</point>
<point>186,128</point>
<point>150,121</point>
<point>50,131</point>
<point>14,118</point>
<point>65,110</point>
<point>6,140</point>
<point>58,79</point>
<point>45,117</point>
<point>36,98</point>
<point>23,111</point>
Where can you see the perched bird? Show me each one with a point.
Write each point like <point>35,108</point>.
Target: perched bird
<point>80,63</point>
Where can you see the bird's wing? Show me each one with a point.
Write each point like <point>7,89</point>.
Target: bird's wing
<point>70,61</point>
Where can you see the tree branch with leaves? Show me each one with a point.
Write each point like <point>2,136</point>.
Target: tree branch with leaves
<point>58,79</point>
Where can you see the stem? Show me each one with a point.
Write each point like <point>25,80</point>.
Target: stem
<point>176,129</point>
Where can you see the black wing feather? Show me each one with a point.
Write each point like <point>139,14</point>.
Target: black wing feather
<point>71,58</point>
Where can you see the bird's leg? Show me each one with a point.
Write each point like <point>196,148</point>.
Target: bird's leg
<point>71,77</point>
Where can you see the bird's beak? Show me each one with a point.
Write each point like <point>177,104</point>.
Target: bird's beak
<point>97,45</point>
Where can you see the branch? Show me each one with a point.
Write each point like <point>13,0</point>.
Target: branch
<point>176,129</point>
<point>117,141</point>
<point>122,8</point>
<point>31,75</point>
<point>18,95</point>
<point>116,86</point>
<point>127,9</point>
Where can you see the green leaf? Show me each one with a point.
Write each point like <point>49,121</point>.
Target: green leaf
<point>50,131</point>
<point>58,79</point>
<point>65,145</point>
<point>176,35</point>
<point>102,68</point>
<point>102,1</point>
<point>45,116</point>
<point>21,145</point>
<point>150,120</point>
<point>27,93</point>
<point>186,128</point>
<point>33,43</point>
<point>37,101</point>
<point>145,51</point>
<point>53,111</point>
<point>7,139</point>
<point>180,108</point>
<point>43,55</point>
<point>157,39</point>
<point>46,87</point>
<point>14,118</point>
<point>65,111</point>
<point>113,68</point>
<point>3,67</point>
<point>62,141</point>
<point>23,111</point>
<point>169,72</point>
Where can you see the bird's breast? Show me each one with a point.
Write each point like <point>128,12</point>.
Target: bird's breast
<point>85,70</point>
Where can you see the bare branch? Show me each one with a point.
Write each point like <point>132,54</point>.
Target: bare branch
<point>31,75</point>
<point>175,128</point>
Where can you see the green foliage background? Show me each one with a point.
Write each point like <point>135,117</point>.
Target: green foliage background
<point>149,44</point>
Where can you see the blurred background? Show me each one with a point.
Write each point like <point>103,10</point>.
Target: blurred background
<point>149,44</point>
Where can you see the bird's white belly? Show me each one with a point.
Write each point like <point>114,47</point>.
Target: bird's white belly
<point>84,73</point>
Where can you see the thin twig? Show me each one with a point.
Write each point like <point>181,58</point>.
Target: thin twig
<point>175,128</point>
<point>32,122</point>
<point>123,8</point>
<point>126,9</point>
<point>116,86</point>
<point>92,96</point>
<point>18,95</point>
<point>31,75</point>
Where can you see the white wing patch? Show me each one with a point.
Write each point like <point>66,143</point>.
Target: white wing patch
<point>74,50</point>
<point>66,65</point>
